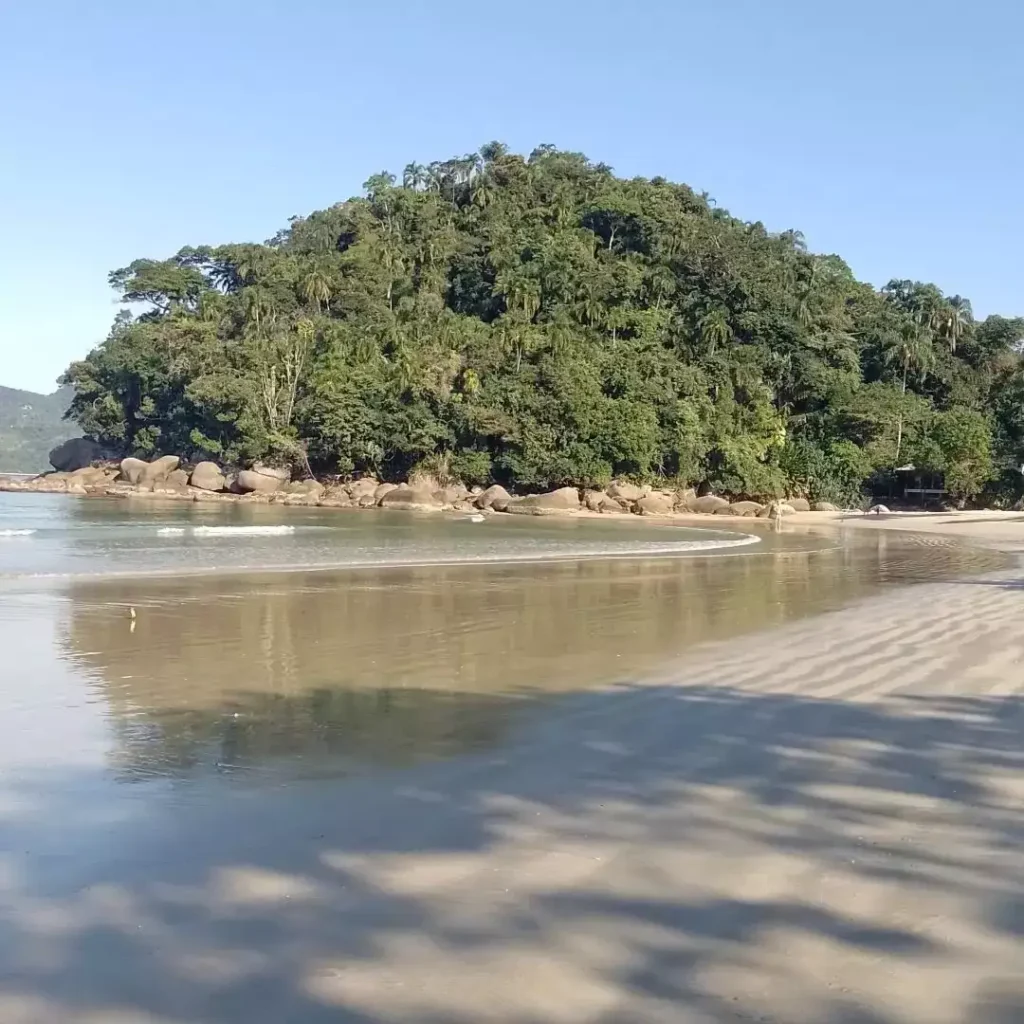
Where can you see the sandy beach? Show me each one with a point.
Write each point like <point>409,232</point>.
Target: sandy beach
<point>820,821</point>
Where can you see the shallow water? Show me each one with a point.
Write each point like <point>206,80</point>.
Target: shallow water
<point>213,738</point>
<point>51,535</point>
<point>124,633</point>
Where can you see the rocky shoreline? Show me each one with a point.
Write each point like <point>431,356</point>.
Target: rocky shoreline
<point>167,478</point>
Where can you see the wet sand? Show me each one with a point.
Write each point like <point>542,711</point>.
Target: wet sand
<point>764,815</point>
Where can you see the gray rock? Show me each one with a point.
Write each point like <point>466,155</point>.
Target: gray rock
<point>77,453</point>
<point>495,497</point>
<point>625,491</point>
<point>655,505</point>
<point>132,470</point>
<point>824,506</point>
<point>879,510</point>
<point>708,505</point>
<point>455,492</point>
<point>685,499</point>
<point>207,476</point>
<point>306,487</point>
<point>410,499</point>
<point>249,481</point>
<point>47,483</point>
<point>595,501</point>
<point>364,485</point>
<point>279,473</point>
<point>91,476</point>
<point>741,508</point>
<point>157,471</point>
<point>798,504</point>
<point>175,482</point>
<point>564,499</point>
<point>336,499</point>
<point>383,489</point>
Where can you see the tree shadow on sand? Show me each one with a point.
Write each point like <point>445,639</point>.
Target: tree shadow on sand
<point>654,853</point>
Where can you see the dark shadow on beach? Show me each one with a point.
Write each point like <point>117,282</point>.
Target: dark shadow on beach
<point>244,890</point>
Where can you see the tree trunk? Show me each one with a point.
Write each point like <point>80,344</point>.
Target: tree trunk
<point>899,425</point>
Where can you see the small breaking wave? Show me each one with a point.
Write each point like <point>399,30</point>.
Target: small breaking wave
<point>225,531</point>
<point>242,531</point>
<point>16,533</point>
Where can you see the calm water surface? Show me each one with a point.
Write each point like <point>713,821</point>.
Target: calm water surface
<point>48,535</point>
<point>128,652</point>
<point>237,711</point>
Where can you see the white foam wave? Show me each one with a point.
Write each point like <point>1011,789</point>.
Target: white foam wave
<point>241,531</point>
<point>224,531</point>
<point>16,533</point>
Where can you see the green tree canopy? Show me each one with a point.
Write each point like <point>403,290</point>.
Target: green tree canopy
<point>539,321</point>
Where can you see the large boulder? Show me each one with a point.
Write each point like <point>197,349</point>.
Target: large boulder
<point>175,482</point>
<point>685,499</point>
<point>303,492</point>
<point>740,508</point>
<point>622,490</point>
<point>306,488</point>
<point>132,470</point>
<point>91,477</point>
<point>824,506</point>
<point>598,501</point>
<point>383,489</point>
<point>365,485</point>
<point>495,497</point>
<point>49,483</point>
<point>157,471</point>
<point>799,504</point>
<point>565,499</point>
<point>207,476</point>
<point>280,473</point>
<point>77,453</point>
<point>253,481</point>
<point>654,505</point>
<point>708,505</point>
<point>412,499</point>
<point>455,492</point>
<point>336,498</point>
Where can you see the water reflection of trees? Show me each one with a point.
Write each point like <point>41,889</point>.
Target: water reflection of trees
<point>337,670</point>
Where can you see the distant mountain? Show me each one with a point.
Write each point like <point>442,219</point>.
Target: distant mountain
<point>30,425</point>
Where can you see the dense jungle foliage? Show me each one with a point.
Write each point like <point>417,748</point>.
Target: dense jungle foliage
<point>540,322</point>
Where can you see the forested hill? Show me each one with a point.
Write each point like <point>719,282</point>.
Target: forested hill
<point>539,322</point>
<point>31,425</point>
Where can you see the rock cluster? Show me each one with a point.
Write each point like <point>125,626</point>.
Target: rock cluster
<point>206,481</point>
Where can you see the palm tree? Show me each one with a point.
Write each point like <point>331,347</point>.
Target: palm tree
<point>714,330</point>
<point>910,348</point>
<point>953,319</point>
<point>414,176</point>
<point>316,287</point>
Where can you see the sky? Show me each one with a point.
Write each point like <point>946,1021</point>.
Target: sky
<point>891,133</point>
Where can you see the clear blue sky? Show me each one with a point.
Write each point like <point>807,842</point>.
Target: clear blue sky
<point>891,132</point>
